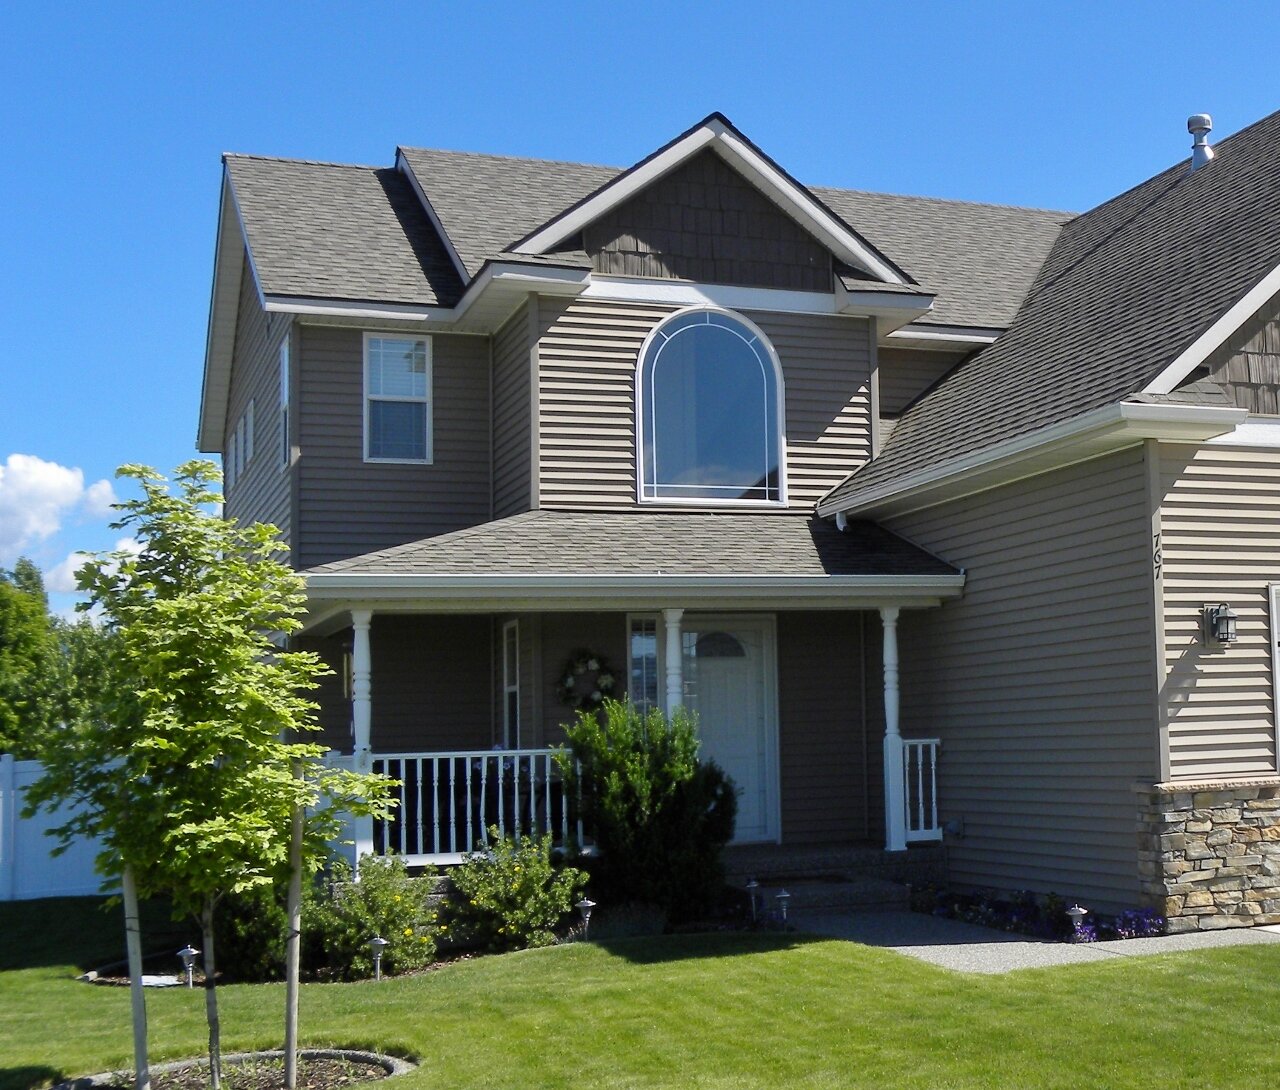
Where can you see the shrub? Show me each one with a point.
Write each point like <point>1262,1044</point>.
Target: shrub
<point>344,915</point>
<point>249,930</point>
<point>512,896</point>
<point>659,815</point>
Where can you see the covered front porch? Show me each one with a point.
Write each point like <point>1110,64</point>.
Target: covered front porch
<point>459,689</point>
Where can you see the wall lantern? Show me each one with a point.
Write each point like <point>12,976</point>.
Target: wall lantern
<point>1220,624</point>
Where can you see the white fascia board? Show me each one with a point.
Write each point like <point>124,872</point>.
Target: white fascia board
<point>1254,432</point>
<point>224,300</point>
<point>339,308</point>
<point>1216,335</point>
<point>688,293</point>
<point>1110,427</point>
<point>939,338</point>
<point>891,309</point>
<point>788,194</point>
<point>402,165</point>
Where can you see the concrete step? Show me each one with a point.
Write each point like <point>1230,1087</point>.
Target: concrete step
<point>859,895</point>
<point>773,864</point>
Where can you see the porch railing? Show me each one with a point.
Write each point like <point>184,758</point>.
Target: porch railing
<point>920,782</point>
<point>449,801</point>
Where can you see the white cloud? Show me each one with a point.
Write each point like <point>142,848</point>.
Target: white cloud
<point>36,496</point>
<point>61,578</point>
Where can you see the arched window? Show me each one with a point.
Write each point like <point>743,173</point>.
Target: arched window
<point>710,400</point>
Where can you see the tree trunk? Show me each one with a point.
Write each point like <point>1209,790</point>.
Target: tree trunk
<point>293,948</point>
<point>211,997</point>
<point>133,946</point>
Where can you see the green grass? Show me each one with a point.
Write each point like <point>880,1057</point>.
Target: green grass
<point>691,1011</point>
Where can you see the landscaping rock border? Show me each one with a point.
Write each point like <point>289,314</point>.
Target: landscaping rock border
<point>392,1065</point>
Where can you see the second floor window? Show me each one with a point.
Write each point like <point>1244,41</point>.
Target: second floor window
<point>397,411</point>
<point>710,398</point>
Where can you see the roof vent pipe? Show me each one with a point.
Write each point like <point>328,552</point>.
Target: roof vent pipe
<point>1199,126</point>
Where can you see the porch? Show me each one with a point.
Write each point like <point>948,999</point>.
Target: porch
<point>458,660</point>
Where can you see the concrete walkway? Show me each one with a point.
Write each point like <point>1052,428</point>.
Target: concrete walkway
<point>966,948</point>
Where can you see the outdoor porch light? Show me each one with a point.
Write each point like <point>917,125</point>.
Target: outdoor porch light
<point>585,907</point>
<point>188,954</point>
<point>378,944</point>
<point>1220,623</point>
<point>752,886</point>
<point>1077,915</point>
<point>782,898</point>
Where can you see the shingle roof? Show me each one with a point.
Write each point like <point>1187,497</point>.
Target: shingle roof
<point>653,543</point>
<point>340,232</point>
<point>1126,288</point>
<point>330,231</point>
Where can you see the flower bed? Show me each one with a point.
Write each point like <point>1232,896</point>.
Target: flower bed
<point>1044,918</point>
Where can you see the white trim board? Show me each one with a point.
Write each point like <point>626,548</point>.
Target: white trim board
<point>1216,335</point>
<point>717,133</point>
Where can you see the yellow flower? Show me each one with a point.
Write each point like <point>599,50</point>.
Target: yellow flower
<point>444,927</point>
<point>409,932</point>
<point>422,938</point>
<point>397,897</point>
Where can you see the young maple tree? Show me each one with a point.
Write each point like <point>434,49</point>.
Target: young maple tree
<point>194,776</point>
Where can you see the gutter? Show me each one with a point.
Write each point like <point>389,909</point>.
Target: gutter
<point>1110,427</point>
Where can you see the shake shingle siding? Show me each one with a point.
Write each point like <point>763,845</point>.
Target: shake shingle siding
<point>261,492</point>
<point>1247,367</point>
<point>1039,680</point>
<point>348,506</point>
<point>1221,543</point>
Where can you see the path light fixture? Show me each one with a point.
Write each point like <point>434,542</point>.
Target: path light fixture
<point>752,886</point>
<point>585,907</point>
<point>782,898</point>
<point>188,954</point>
<point>378,944</point>
<point>1077,915</point>
<point>1220,624</point>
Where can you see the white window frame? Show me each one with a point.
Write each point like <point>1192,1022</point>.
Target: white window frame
<point>780,436</point>
<point>247,421</point>
<point>425,400</point>
<point>654,619</point>
<point>510,684</point>
<point>284,403</point>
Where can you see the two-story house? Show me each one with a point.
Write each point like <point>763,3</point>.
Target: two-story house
<point>943,517</point>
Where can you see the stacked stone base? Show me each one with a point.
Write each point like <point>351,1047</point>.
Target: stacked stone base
<point>1209,853</point>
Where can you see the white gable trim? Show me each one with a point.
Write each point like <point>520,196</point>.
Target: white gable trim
<point>714,132</point>
<point>1216,335</point>
<point>231,248</point>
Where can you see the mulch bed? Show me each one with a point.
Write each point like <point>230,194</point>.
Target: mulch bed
<point>268,1074</point>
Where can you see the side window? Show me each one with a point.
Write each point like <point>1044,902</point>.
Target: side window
<point>511,685</point>
<point>397,409</point>
<point>284,401</point>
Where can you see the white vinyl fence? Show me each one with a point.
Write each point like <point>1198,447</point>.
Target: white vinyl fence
<point>26,867</point>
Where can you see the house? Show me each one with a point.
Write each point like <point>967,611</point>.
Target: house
<point>948,519</point>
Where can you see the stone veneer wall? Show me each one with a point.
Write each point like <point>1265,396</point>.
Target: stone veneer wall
<point>1209,853</point>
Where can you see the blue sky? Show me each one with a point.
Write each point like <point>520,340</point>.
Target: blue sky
<point>116,114</point>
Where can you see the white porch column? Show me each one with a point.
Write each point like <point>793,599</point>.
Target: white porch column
<point>895,805</point>
<point>674,659</point>
<point>362,717</point>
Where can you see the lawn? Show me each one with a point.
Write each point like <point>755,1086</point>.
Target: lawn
<point>688,1011</point>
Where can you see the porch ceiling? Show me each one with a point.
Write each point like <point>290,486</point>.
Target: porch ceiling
<point>566,560</point>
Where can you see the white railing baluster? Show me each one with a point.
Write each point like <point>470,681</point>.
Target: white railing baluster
<point>404,808</point>
<point>546,788</point>
<point>484,801</point>
<point>417,839</point>
<point>564,817</point>
<point>471,842</point>
<point>920,786</point>
<point>502,820</point>
<point>578,766</point>
<point>453,804</point>
<point>515,797</point>
<point>933,786</point>
<point>435,802</point>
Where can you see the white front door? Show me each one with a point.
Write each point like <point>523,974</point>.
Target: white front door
<point>729,681</point>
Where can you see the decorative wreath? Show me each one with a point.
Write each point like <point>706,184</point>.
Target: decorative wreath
<point>586,681</point>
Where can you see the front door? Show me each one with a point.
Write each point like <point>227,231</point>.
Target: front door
<point>729,682</point>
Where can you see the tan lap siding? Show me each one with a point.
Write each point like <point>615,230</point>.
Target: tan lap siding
<point>1039,680</point>
<point>348,506</point>
<point>832,782</point>
<point>512,409</point>
<point>261,492</point>
<point>586,368</point>
<point>1220,526</point>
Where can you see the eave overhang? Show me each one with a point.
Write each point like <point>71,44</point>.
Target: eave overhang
<point>331,595</point>
<point>1101,431</point>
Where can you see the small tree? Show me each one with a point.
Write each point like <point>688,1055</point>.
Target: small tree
<point>28,655</point>
<point>660,815</point>
<point>192,774</point>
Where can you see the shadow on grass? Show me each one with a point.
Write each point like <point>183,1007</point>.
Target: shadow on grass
<point>79,931</point>
<point>22,1078</point>
<point>651,950</point>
